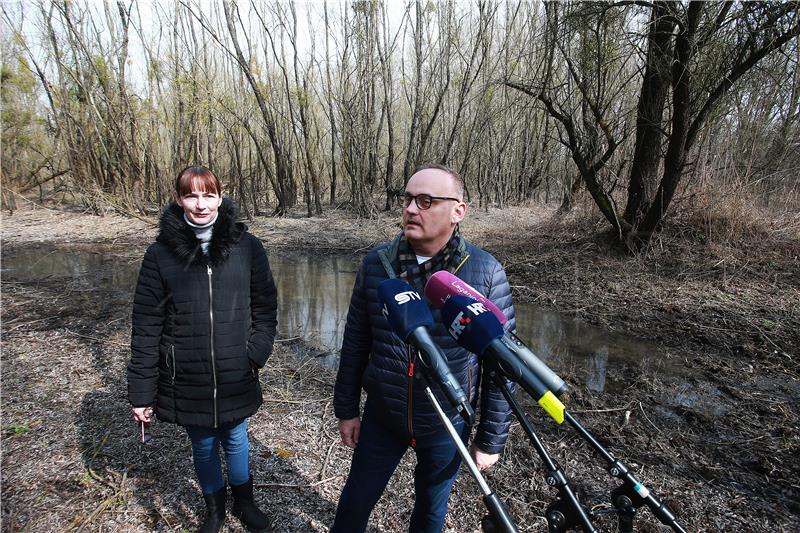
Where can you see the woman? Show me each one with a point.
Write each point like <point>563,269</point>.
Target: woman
<point>204,319</point>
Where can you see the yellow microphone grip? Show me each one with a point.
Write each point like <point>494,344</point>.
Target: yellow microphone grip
<point>553,406</point>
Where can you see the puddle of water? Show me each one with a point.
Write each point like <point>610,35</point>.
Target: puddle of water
<point>587,354</point>
<point>84,268</point>
<point>314,295</point>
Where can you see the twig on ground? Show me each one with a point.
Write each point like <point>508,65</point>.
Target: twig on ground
<point>97,338</point>
<point>97,512</point>
<point>28,323</point>
<point>648,418</point>
<point>297,486</point>
<point>325,462</point>
<point>609,410</point>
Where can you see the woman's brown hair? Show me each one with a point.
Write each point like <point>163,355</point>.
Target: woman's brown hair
<point>197,178</point>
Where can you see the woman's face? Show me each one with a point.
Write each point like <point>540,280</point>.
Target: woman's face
<point>200,206</point>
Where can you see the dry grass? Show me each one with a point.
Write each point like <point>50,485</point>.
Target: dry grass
<point>72,460</point>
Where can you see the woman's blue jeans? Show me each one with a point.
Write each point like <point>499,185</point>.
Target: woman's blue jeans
<point>205,450</point>
<point>375,459</point>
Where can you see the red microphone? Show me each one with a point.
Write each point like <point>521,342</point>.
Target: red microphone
<point>443,285</point>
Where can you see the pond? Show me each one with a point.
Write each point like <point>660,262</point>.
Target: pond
<point>314,295</point>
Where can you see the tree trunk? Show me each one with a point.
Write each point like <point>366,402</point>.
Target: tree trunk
<point>655,84</point>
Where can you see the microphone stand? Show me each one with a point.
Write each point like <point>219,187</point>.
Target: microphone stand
<point>565,512</point>
<point>498,515</point>
<point>628,497</point>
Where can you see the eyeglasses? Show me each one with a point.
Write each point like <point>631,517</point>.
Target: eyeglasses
<point>424,201</point>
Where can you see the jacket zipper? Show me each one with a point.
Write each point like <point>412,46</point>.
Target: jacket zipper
<point>412,356</point>
<point>469,383</point>
<point>211,340</point>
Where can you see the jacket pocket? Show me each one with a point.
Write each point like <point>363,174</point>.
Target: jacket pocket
<point>171,362</point>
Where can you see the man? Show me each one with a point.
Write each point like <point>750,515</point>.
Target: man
<point>397,414</point>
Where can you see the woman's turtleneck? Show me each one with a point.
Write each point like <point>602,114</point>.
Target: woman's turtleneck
<point>203,233</point>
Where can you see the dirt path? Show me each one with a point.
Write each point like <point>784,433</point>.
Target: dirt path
<point>719,444</point>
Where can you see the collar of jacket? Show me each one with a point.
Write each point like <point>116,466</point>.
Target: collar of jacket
<point>181,240</point>
<point>389,260</point>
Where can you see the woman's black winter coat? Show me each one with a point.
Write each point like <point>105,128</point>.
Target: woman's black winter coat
<point>202,324</point>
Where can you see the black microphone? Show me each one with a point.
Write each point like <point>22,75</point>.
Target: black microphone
<point>476,329</point>
<point>443,285</point>
<point>410,318</point>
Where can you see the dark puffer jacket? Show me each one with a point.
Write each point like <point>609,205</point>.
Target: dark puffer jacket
<point>196,363</point>
<point>377,360</point>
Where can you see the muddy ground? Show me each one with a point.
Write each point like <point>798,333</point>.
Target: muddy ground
<point>718,441</point>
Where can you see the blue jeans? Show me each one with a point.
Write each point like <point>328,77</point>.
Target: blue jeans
<point>205,450</point>
<point>376,457</point>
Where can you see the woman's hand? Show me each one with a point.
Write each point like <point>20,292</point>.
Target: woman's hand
<point>142,414</point>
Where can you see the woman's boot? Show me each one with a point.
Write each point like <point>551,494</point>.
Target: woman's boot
<point>244,508</point>
<point>215,511</point>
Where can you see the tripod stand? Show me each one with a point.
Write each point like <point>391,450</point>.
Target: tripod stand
<point>631,495</point>
<point>498,519</point>
<point>566,511</point>
<point>477,329</point>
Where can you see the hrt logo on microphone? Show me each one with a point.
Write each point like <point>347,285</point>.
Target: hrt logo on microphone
<point>459,324</point>
<point>405,297</point>
<point>477,308</point>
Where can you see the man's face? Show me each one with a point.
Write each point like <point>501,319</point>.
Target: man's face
<point>429,229</point>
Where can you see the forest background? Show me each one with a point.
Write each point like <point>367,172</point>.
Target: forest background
<point>322,103</point>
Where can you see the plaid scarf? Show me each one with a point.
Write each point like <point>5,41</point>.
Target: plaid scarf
<point>417,274</point>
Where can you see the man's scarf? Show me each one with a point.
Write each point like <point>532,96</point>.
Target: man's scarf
<point>418,274</point>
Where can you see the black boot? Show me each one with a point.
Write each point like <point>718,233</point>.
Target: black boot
<point>244,508</point>
<point>215,511</point>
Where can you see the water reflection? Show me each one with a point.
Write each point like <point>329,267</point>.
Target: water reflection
<point>596,375</point>
<point>574,348</point>
<point>86,269</point>
<point>314,295</point>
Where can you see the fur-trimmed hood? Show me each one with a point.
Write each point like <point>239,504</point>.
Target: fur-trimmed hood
<point>180,238</point>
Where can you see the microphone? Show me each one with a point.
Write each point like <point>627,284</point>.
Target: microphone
<point>476,329</point>
<point>410,318</point>
<point>443,285</point>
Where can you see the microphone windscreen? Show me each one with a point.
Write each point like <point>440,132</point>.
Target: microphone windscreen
<point>443,285</point>
<point>403,307</point>
<point>470,323</point>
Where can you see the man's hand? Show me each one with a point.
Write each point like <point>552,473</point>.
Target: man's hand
<point>482,459</point>
<point>349,430</point>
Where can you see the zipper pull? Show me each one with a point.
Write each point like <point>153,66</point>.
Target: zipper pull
<point>411,369</point>
<point>208,267</point>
